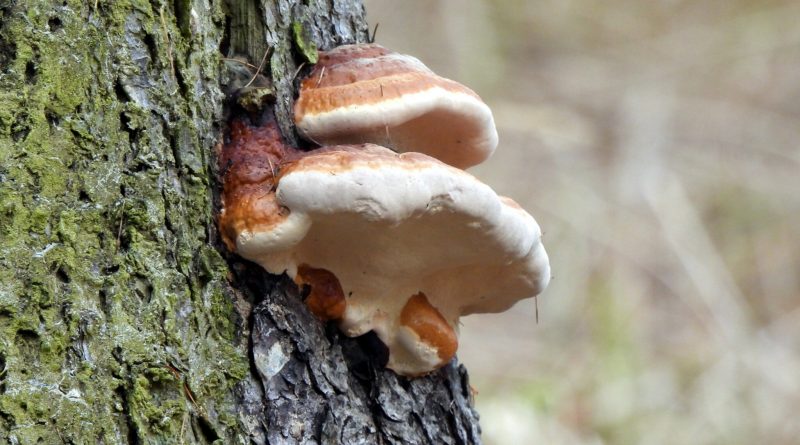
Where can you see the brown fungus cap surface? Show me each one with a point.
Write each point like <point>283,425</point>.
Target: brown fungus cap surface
<point>411,243</point>
<point>367,93</point>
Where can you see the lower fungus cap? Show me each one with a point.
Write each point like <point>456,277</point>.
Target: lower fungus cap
<point>424,334</point>
<point>413,243</point>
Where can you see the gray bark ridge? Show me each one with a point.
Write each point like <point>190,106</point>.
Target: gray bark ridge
<point>322,387</point>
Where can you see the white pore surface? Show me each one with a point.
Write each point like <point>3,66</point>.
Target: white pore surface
<point>456,128</point>
<point>390,231</point>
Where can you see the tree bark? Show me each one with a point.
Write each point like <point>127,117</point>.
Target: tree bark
<point>122,318</point>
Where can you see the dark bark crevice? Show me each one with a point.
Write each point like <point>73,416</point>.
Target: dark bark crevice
<point>312,375</point>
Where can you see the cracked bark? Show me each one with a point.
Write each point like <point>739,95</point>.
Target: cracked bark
<point>122,320</point>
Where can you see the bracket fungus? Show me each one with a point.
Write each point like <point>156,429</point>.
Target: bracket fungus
<point>399,244</point>
<point>367,93</point>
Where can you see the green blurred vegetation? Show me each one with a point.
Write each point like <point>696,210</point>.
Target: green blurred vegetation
<point>658,145</point>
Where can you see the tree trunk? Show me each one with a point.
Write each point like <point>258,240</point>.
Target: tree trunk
<point>122,318</point>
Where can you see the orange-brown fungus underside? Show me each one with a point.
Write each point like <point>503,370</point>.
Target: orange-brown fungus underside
<point>326,299</point>
<point>428,323</point>
<point>248,164</point>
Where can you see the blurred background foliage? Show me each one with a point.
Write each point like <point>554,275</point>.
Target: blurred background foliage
<point>658,145</point>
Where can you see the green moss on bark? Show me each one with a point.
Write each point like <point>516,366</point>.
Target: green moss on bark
<point>115,321</point>
<point>302,40</point>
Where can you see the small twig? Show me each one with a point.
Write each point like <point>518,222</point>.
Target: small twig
<point>183,427</point>
<point>179,378</point>
<point>297,71</point>
<point>189,393</point>
<point>536,305</point>
<point>321,73</point>
<point>473,391</point>
<point>260,66</point>
<point>312,140</point>
<point>389,138</point>
<point>272,167</point>
<point>249,65</point>
<point>374,33</point>
<point>174,371</point>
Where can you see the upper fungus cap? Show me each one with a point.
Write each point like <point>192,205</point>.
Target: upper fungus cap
<point>413,243</point>
<point>367,93</point>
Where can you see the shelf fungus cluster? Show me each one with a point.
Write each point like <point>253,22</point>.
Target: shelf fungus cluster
<point>392,238</point>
